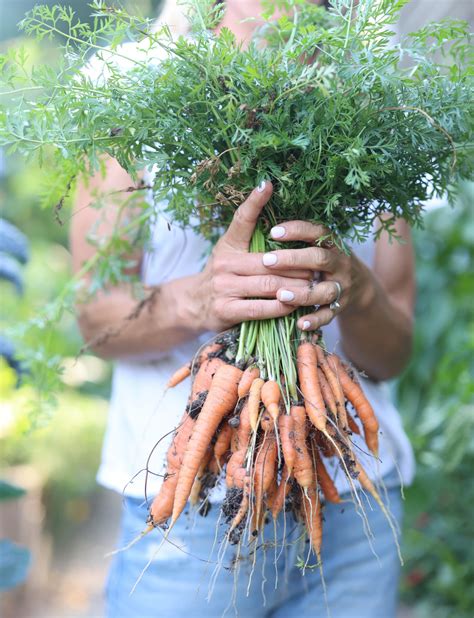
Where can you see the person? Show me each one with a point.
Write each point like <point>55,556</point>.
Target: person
<point>196,297</point>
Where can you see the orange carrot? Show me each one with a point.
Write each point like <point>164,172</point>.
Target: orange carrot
<point>361,404</point>
<point>197,485</point>
<point>335,387</point>
<point>325,482</point>
<point>282,492</point>
<point>264,470</point>
<point>306,363</point>
<point>244,429</point>
<point>303,465</point>
<point>203,378</point>
<point>286,425</point>
<point>244,505</point>
<point>222,444</point>
<point>235,462</point>
<point>254,402</point>
<point>327,449</point>
<point>313,519</point>
<point>328,395</point>
<point>220,400</point>
<point>353,426</point>
<point>270,395</point>
<point>179,376</point>
<point>246,380</point>
<point>266,422</point>
<point>162,505</point>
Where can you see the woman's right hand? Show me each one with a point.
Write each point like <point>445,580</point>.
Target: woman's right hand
<point>235,286</point>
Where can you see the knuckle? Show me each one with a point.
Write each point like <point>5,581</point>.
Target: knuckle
<point>320,255</point>
<point>328,294</point>
<point>308,296</point>
<point>254,311</point>
<point>269,284</point>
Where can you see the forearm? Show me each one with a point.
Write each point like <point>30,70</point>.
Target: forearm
<point>115,325</point>
<point>376,332</point>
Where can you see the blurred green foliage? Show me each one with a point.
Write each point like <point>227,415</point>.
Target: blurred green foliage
<point>436,396</point>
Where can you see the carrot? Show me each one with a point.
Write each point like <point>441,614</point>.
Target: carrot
<point>325,482</point>
<point>222,444</point>
<point>335,387</point>
<point>264,471</point>
<point>328,395</point>
<point>303,465</point>
<point>313,519</point>
<point>236,461</point>
<point>361,404</point>
<point>220,400</point>
<point>286,425</point>
<point>306,363</point>
<point>266,422</point>
<point>197,485</point>
<point>353,426</point>
<point>208,351</point>
<point>254,402</point>
<point>162,505</point>
<point>271,395</point>
<point>282,492</point>
<point>244,505</point>
<point>327,449</point>
<point>246,380</point>
<point>203,378</point>
<point>272,493</point>
<point>179,376</point>
<point>244,429</point>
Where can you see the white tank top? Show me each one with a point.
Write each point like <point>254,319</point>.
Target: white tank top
<point>141,418</point>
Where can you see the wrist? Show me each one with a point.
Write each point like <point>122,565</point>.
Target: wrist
<point>365,290</point>
<point>189,307</point>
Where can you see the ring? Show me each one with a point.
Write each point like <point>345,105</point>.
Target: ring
<point>335,303</point>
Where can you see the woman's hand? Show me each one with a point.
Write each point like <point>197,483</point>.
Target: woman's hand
<point>331,267</point>
<point>235,285</point>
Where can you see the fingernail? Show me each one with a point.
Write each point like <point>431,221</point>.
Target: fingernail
<point>269,259</point>
<point>277,232</point>
<point>286,295</point>
<point>306,325</point>
<point>261,186</point>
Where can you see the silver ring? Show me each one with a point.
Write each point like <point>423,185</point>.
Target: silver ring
<point>335,303</point>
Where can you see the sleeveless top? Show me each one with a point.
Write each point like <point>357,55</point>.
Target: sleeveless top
<point>142,418</point>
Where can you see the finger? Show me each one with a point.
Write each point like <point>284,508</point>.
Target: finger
<point>265,286</point>
<point>311,258</point>
<point>305,296</point>
<point>252,264</point>
<point>245,218</point>
<point>313,321</point>
<point>299,230</point>
<point>243,310</point>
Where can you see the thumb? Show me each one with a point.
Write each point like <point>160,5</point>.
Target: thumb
<point>246,216</point>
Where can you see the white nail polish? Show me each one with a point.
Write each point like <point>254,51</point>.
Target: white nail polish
<point>286,295</point>
<point>269,259</point>
<point>306,324</point>
<point>261,186</point>
<point>277,232</point>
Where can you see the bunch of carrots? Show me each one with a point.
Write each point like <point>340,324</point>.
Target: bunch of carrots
<point>236,425</point>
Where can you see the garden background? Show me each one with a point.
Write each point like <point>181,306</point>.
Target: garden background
<point>68,523</point>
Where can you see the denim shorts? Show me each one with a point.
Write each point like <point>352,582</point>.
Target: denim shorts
<point>193,575</point>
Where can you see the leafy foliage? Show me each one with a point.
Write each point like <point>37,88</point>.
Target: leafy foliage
<point>343,138</point>
<point>436,395</point>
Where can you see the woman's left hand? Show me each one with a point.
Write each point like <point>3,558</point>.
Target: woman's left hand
<point>330,265</point>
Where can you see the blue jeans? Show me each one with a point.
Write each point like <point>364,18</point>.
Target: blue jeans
<point>359,584</point>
